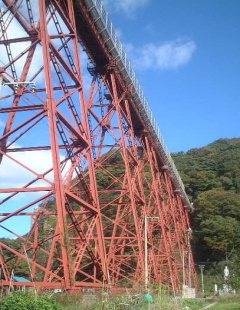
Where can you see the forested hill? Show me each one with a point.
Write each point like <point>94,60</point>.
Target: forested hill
<point>216,166</point>
<point>212,180</point>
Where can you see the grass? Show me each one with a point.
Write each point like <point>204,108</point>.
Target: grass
<point>232,306</point>
<point>127,301</point>
<point>228,303</point>
<point>124,301</point>
<point>195,304</point>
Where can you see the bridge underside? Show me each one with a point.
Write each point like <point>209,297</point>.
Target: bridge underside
<point>86,199</point>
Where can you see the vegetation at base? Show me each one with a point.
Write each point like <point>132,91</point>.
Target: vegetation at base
<point>227,303</point>
<point>77,300</point>
<point>230,302</point>
<point>195,304</point>
<point>227,307</point>
<point>28,301</point>
<point>162,300</point>
<point>211,176</point>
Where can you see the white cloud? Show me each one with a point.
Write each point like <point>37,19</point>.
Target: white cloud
<point>13,175</point>
<point>127,7</point>
<point>2,124</point>
<point>166,56</point>
<point>15,30</point>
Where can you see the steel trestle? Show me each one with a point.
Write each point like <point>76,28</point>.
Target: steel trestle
<point>99,184</point>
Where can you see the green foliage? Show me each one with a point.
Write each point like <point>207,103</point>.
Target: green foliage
<point>73,301</point>
<point>217,202</point>
<point>162,299</point>
<point>69,300</point>
<point>227,303</point>
<point>194,304</point>
<point>220,233</point>
<point>212,179</point>
<point>27,301</point>
<point>214,166</point>
<point>217,224</point>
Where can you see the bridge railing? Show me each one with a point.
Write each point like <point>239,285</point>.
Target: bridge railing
<point>110,37</point>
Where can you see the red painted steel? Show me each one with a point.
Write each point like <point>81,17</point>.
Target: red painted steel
<point>88,207</point>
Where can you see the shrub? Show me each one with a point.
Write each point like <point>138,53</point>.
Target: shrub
<point>27,301</point>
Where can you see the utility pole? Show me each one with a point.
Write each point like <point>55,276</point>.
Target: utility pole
<point>185,253</point>
<point>146,218</point>
<point>189,232</point>
<point>201,267</point>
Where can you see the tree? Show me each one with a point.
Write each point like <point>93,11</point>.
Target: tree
<point>216,222</point>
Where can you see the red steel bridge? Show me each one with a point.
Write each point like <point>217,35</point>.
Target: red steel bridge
<point>89,194</point>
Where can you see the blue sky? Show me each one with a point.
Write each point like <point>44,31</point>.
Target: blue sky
<point>186,57</point>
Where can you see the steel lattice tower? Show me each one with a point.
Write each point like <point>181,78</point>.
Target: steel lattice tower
<point>110,209</point>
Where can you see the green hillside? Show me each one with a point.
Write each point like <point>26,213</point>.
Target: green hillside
<point>212,179</point>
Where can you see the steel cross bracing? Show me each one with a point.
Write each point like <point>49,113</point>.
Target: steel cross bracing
<point>83,164</point>
<point>105,27</point>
